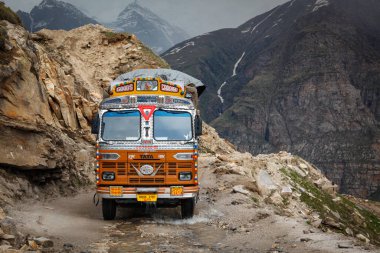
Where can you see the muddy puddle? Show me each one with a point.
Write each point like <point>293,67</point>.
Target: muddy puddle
<point>162,230</point>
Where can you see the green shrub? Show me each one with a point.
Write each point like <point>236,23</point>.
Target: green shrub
<point>3,37</point>
<point>7,14</point>
<point>113,37</point>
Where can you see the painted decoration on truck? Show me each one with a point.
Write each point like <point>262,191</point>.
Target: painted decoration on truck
<point>169,88</point>
<point>147,111</point>
<point>124,88</point>
<point>151,85</point>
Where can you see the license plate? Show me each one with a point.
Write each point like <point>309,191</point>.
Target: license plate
<point>116,191</point>
<point>147,197</point>
<point>176,191</point>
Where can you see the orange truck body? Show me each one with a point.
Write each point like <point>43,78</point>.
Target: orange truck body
<point>146,169</point>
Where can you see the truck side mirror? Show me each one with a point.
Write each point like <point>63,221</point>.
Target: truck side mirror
<point>198,126</point>
<point>95,124</point>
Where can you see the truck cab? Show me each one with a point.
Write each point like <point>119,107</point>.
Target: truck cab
<point>147,147</point>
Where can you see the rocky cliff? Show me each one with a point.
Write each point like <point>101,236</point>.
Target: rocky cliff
<point>50,84</point>
<point>303,77</point>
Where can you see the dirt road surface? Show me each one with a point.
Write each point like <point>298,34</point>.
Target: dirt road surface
<point>224,222</point>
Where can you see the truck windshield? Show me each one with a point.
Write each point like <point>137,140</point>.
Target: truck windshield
<point>172,126</point>
<point>121,126</point>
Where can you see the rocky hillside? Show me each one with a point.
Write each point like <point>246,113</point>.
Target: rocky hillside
<point>50,85</point>
<point>303,77</point>
<point>54,14</point>
<point>287,183</point>
<point>151,29</point>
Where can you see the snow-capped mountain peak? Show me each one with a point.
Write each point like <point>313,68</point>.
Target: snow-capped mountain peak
<point>54,14</point>
<point>149,27</point>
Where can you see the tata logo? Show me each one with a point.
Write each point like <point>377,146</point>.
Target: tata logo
<point>146,169</point>
<point>146,156</point>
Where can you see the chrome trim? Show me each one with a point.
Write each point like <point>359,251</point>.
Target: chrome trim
<point>183,159</point>
<point>146,190</point>
<point>155,172</point>
<point>109,159</point>
<point>159,196</point>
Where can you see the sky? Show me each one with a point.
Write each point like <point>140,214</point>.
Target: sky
<point>194,16</point>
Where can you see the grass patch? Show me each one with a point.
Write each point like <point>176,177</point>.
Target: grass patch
<point>205,150</point>
<point>5,56</point>
<point>3,37</point>
<point>113,37</point>
<point>323,203</point>
<point>7,14</point>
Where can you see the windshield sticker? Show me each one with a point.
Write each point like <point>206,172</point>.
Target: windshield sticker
<point>147,85</point>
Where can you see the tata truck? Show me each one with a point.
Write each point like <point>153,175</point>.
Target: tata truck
<point>147,147</point>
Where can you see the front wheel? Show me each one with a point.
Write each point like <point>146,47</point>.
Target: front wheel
<point>187,208</point>
<point>109,209</point>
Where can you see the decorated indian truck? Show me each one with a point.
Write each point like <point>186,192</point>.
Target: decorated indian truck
<point>147,147</point>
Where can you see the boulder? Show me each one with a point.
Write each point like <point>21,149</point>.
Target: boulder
<point>240,189</point>
<point>362,238</point>
<point>44,242</point>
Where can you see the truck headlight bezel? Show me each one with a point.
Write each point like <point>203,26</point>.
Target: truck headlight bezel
<point>185,176</point>
<point>109,156</point>
<point>108,176</point>
<point>183,156</point>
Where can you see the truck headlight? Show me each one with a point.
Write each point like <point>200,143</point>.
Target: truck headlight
<point>183,156</point>
<point>185,176</point>
<point>108,176</point>
<point>109,156</point>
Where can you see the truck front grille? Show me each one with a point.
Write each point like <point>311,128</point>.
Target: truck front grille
<point>121,168</point>
<point>167,172</point>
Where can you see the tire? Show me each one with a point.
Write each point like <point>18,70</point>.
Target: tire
<point>187,208</point>
<point>109,209</point>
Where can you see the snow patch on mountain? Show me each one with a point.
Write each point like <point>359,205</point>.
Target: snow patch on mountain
<point>237,64</point>
<point>262,21</point>
<point>40,24</point>
<point>178,49</point>
<point>246,30</point>
<point>220,92</point>
<point>291,3</point>
<point>319,4</point>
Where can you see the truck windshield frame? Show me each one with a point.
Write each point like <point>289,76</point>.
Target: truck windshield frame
<point>169,125</point>
<point>126,123</point>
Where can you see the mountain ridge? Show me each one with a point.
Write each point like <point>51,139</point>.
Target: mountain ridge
<point>54,14</point>
<point>306,81</point>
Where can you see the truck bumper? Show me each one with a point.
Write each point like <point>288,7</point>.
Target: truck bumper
<point>162,192</point>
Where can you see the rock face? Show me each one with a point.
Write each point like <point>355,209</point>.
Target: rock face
<point>296,187</point>
<point>302,77</point>
<point>53,14</point>
<point>50,84</point>
<point>151,29</point>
